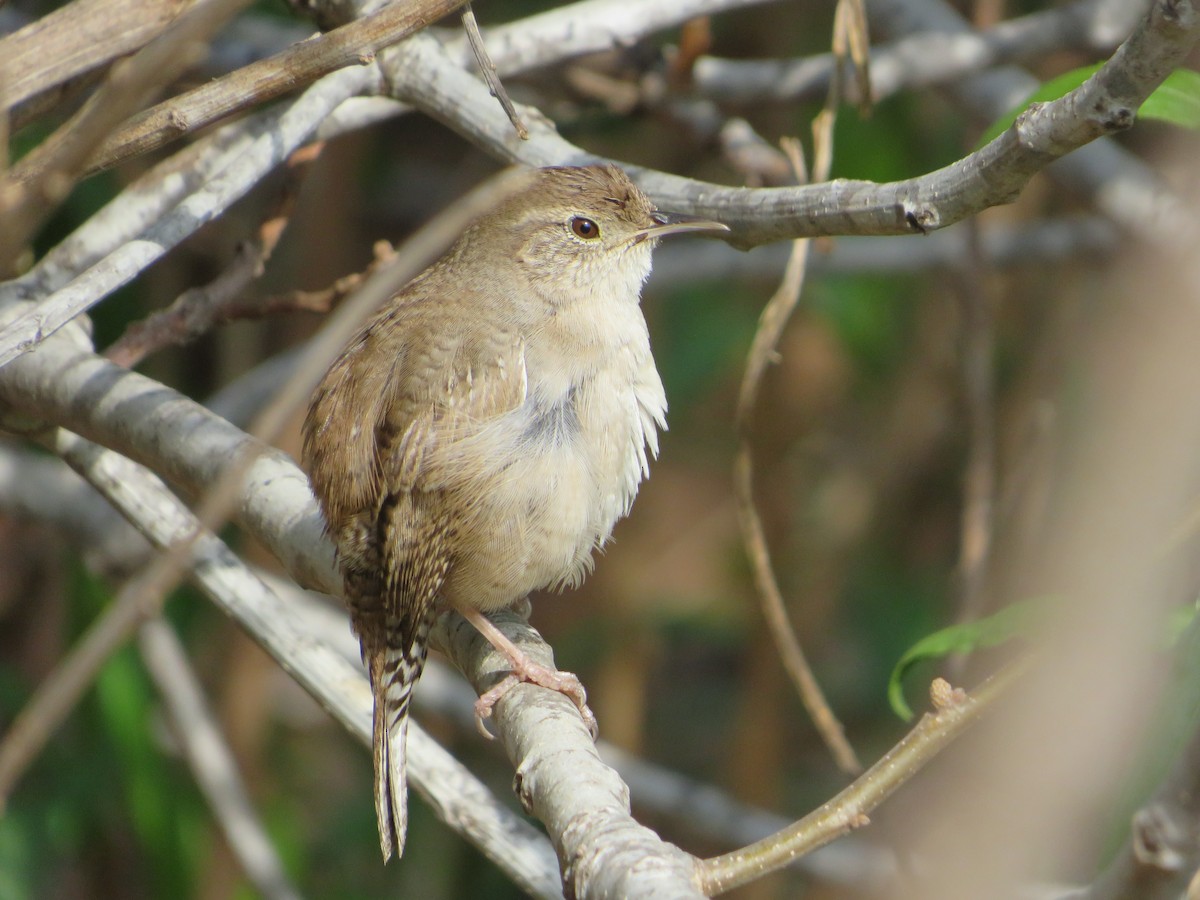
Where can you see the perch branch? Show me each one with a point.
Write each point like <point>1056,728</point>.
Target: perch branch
<point>954,711</point>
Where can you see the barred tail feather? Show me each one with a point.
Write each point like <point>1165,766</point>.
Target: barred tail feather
<point>391,829</point>
<point>401,669</point>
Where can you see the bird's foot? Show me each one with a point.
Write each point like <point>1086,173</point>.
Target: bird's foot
<point>526,670</point>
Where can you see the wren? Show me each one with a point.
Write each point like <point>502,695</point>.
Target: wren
<point>485,429</point>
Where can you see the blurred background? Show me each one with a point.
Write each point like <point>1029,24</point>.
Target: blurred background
<point>919,378</point>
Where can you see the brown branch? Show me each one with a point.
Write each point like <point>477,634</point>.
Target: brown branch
<point>763,349</point>
<point>193,313</point>
<point>76,39</point>
<point>488,68</point>
<point>38,183</point>
<point>954,711</point>
<point>142,595</point>
<point>353,44</point>
<point>979,477</point>
<point>775,315</point>
<point>224,300</point>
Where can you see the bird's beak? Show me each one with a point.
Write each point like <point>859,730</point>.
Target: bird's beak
<point>674,223</point>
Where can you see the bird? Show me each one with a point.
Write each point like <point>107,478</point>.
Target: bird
<point>485,429</point>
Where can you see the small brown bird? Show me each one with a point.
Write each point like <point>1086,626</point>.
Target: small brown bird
<point>484,431</point>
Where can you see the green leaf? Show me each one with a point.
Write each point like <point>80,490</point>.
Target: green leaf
<point>1003,626</point>
<point>1175,101</point>
<point>1050,90</point>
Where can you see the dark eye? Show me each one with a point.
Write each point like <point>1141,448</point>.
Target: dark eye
<point>584,228</point>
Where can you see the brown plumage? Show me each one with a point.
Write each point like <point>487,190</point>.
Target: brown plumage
<point>486,428</point>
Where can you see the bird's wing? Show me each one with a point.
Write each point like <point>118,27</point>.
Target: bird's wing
<point>448,387</point>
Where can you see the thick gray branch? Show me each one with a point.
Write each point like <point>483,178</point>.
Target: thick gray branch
<point>422,73</point>
<point>561,779</point>
<point>1120,185</point>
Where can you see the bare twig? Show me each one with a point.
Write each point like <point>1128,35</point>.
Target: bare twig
<point>198,309</point>
<point>231,164</point>
<point>979,476</point>
<point>1006,247</point>
<point>995,174</point>
<point>338,685</point>
<point>212,761</point>
<point>774,317</point>
<point>192,313</point>
<point>539,40</point>
<point>75,39</point>
<point>40,488</point>
<point>925,57</point>
<point>488,69</point>
<point>603,851</point>
<point>1119,184</point>
<point>851,43</point>
<point>142,596</point>
<point>766,338</point>
<point>423,75</point>
<point>953,712</point>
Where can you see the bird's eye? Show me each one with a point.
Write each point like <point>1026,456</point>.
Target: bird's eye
<point>584,228</point>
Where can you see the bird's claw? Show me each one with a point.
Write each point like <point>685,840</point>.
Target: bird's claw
<point>530,672</point>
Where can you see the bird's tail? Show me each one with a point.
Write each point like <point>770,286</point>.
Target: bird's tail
<point>394,673</point>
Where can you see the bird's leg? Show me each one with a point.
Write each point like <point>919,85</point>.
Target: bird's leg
<point>523,669</point>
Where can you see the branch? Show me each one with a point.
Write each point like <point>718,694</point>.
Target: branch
<point>211,760</point>
<point>1003,246</point>
<point>1119,184</point>
<point>339,686</point>
<point>238,161</point>
<point>584,27</point>
<point>76,39</point>
<point>774,317</point>
<point>355,43</point>
<point>421,72</point>
<point>40,488</point>
<point>924,58</point>
<point>175,436</point>
<point>954,712</point>
<point>560,778</point>
<point>199,309</point>
<point>41,180</point>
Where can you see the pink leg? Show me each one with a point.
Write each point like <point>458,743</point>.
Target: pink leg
<point>523,669</point>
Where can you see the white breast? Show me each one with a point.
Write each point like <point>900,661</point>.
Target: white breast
<point>581,447</point>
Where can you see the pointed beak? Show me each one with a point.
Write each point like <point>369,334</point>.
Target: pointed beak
<point>674,223</point>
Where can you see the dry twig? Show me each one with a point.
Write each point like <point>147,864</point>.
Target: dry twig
<point>199,309</point>
<point>488,69</point>
<point>774,317</point>
<point>953,712</point>
<point>211,760</point>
